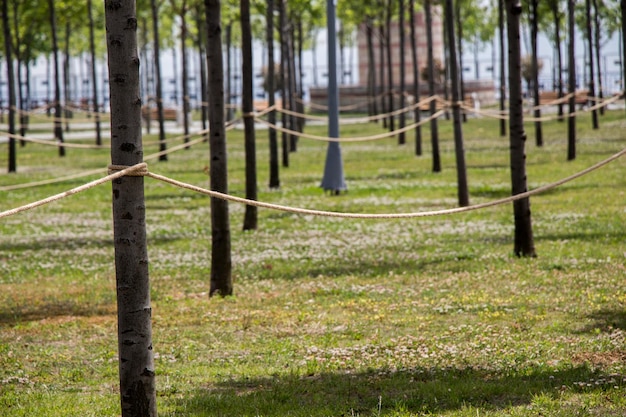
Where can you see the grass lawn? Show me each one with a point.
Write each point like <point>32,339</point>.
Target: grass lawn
<point>330,317</point>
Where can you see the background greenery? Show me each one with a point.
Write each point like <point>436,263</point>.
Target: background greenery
<point>330,317</point>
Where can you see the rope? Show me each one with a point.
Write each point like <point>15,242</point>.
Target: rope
<point>84,187</point>
<point>352,139</point>
<point>142,170</point>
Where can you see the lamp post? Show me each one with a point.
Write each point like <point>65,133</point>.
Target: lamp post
<point>333,179</point>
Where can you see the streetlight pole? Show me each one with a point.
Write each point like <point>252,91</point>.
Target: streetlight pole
<point>333,179</point>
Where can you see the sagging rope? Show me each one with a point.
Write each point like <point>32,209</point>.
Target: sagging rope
<point>142,170</point>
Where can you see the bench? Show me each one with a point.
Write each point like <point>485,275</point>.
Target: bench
<point>153,114</point>
<point>549,97</point>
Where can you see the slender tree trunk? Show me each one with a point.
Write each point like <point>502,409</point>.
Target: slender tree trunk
<point>459,40</point>
<point>623,15</point>
<point>94,83</point>
<point>434,134</point>
<point>291,76</point>
<point>136,355</point>
<point>371,67</point>
<point>299,87</point>
<point>590,55</point>
<point>204,108</point>
<point>524,243</point>
<point>461,170</point>
<point>58,126</point>
<point>8,53</point>
<point>535,67</point>
<point>384,90</point>
<point>20,90</point>
<point>247,107</point>
<point>284,56</point>
<point>159,81</point>
<point>221,264</point>
<point>274,180</point>
<point>402,116</point>
<point>183,49</point>
<point>557,34</point>
<point>390,65</point>
<point>416,80</point>
<point>67,89</point>
<point>501,22</point>
<point>571,124</point>
<point>229,71</point>
<point>598,46</point>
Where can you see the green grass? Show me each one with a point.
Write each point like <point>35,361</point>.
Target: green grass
<point>331,317</point>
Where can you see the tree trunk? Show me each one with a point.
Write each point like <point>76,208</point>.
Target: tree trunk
<point>183,50</point>
<point>229,72</point>
<point>416,80</point>
<point>371,67</point>
<point>291,89</point>
<point>524,244</point>
<point>20,90</point>
<point>136,355</point>
<point>221,264</point>
<point>274,180</point>
<point>384,90</point>
<point>94,83</point>
<point>284,56</point>
<point>461,170</point>
<point>623,15</point>
<point>11,85</point>
<point>535,71</point>
<point>459,40</point>
<point>502,66</point>
<point>557,35</point>
<point>402,116</point>
<point>390,99</point>
<point>571,124</point>
<point>590,55</point>
<point>250,217</point>
<point>434,134</point>
<point>67,90</point>
<point>58,126</point>
<point>598,45</point>
<point>203,87</point>
<point>157,76</point>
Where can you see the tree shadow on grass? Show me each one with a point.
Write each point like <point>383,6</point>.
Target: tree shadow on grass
<point>51,309</point>
<point>605,320</point>
<point>416,391</point>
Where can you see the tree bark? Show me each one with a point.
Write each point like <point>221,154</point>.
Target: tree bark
<point>94,84</point>
<point>598,46</point>
<point>571,50</point>
<point>284,56</point>
<point>58,126</point>
<point>384,90</point>
<point>221,264</point>
<point>557,34</point>
<point>592,81</point>
<point>159,81</point>
<point>136,357</point>
<point>390,99</point>
<point>11,86</point>
<point>535,71</point>
<point>416,80</point>
<point>524,244</point>
<point>502,66</point>
<point>402,116</point>
<point>274,179</point>
<point>183,50</point>
<point>250,217</point>
<point>434,134</point>
<point>461,170</point>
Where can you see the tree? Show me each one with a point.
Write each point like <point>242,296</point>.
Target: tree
<point>524,244</point>
<point>11,82</point>
<point>94,84</point>
<point>58,127</point>
<point>159,81</point>
<point>136,356</point>
<point>401,119</point>
<point>571,49</point>
<point>250,218</point>
<point>501,20</point>
<point>534,5</point>
<point>221,264</point>
<point>590,57</point>
<point>416,83</point>
<point>462,190</point>
<point>434,134</point>
<point>274,180</point>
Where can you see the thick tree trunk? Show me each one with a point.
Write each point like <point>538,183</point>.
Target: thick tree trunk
<point>11,85</point>
<point>274,180</point>
<point>524,244</point>
<point>159,81</point>
<point>94,83</point>
<point>571,50</point>
<point>136,354</point>
<point>58,126</point>
<point>461,170</point>
<point>250,217</point>
<point>221,264</point>
<point>434,133</point>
